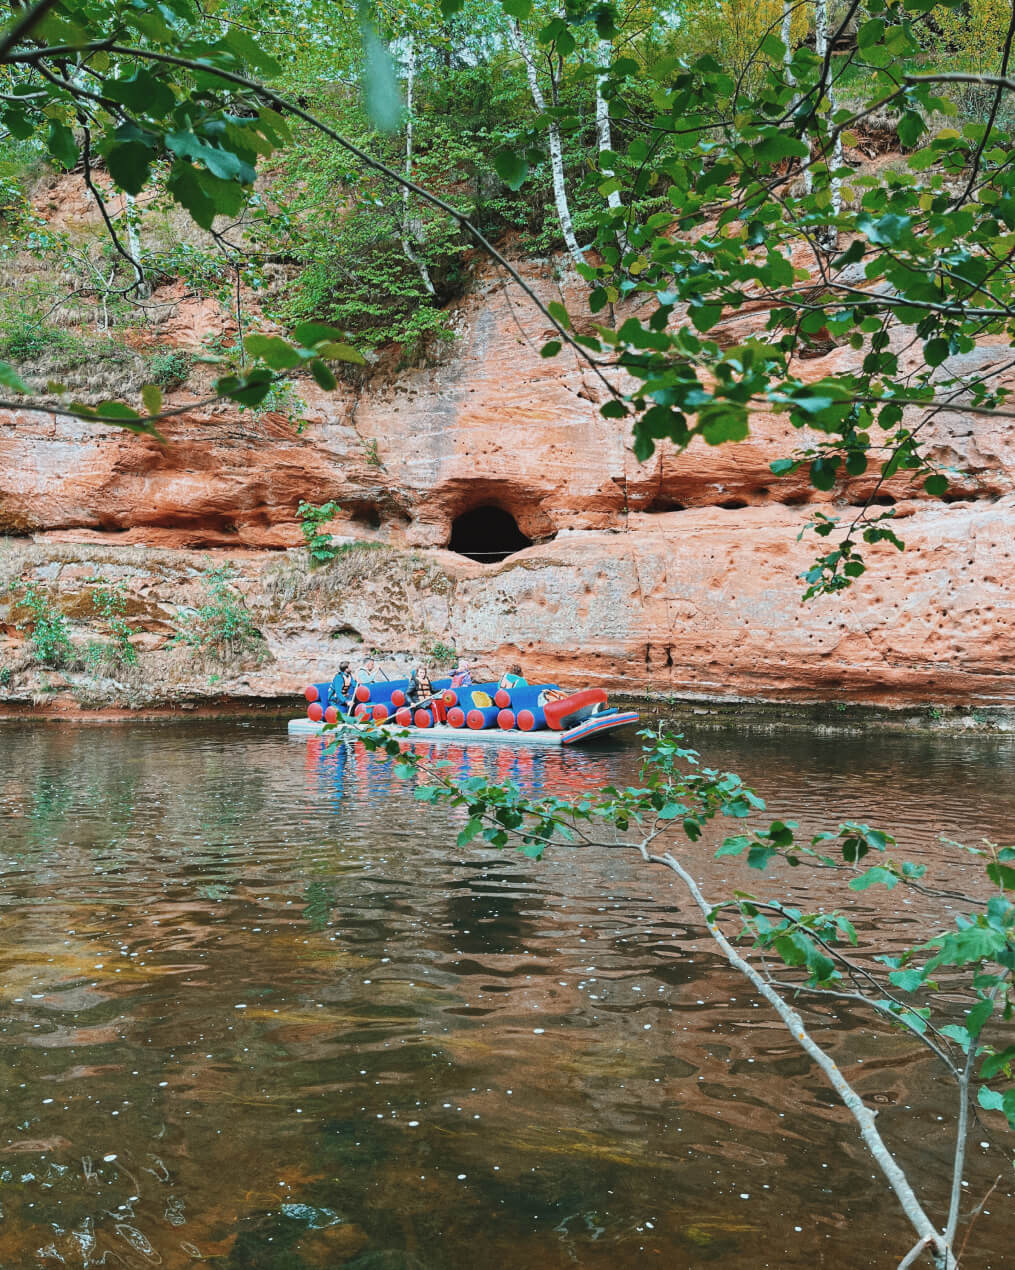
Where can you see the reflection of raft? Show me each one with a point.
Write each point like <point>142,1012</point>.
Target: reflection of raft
<point>529,714</point>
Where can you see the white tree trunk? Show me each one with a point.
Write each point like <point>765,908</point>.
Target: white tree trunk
<point>787,23</point>
<point>830,237</point>
<point>407,232</point>
<point>556,152</point>
<point>134,244</point>
<point>604,135</point>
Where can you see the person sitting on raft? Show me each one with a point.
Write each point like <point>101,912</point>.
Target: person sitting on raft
<point>370,672</point>
<point>420,687</point>
<point>461,676</point>
<point>511,678</point>
<point>342,686</point>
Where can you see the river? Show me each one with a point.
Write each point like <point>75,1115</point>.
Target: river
<point>259,1011</point>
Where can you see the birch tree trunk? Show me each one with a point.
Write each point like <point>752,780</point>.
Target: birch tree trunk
<point>134,245</point>
<point>830,237</point>
<point>604,135</point>
<point>787,23</point>
<point>407,232</point>
<point>556,152</point>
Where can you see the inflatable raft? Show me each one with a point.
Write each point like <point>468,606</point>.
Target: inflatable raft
<point>524,714</point>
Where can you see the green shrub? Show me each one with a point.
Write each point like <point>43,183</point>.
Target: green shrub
<point>6,675</point>
<point>319,543</point>
<point>50,634</point>
<point>222,626</point>
<point>25,335</point>
<point>110,601</point>
<point>169,367</point>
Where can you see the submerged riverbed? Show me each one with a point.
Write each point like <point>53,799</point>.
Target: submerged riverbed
<point>257,1010</point>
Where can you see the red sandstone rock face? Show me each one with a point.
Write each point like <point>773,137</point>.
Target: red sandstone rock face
<point>702,603</point>
<point>680,574</point>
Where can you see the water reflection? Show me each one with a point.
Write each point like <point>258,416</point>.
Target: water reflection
<point>257,1009</point>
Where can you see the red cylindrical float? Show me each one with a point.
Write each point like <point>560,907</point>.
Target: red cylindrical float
<point>360,711</point>
<point>423,719</point>
<point>403,717</point>
<point>379,713</point>
<point>502,698</point>
<point>450,697</point>
<point>456,717</point>
<point>475,719</point>
<point>362,692</point>
<point>310,692</point>
<point>398,697</point>
<point>526,720</point>
<point>506,719</point>
<point>331,715</point>
<point>315,712</point>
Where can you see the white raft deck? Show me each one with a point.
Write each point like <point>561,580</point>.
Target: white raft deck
<point>598,725</point>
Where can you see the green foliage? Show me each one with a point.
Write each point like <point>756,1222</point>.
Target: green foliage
<point>50,633</point>
<point>6,675</point>
<point>169,368</point>
<point>222,626</point>
<point>312,519</point>
<point>109,600</point>
<point>282,398</point>
<point>438,653</point>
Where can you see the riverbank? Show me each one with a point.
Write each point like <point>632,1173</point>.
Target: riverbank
<point>824,718</point>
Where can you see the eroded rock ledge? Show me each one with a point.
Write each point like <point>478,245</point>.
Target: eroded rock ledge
<point>701,604</point>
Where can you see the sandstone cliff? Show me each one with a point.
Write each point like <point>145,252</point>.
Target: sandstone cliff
<point>677,576</point>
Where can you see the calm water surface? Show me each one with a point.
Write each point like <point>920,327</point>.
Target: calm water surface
<point>257,1010</point>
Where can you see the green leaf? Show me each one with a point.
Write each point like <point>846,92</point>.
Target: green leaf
<point>990,1099</point>
<point>277,353</point>
<point>957,1033</point>
<point>1001,875</point>
<point>220,162</point>
<point>722,422</point>
<point>511,167</point>
<point>129,164</point>
<point>469,832</point>
<point>978,1016</point>
<point>335,351</point>
<point>704,316</point>
<point>551,348</point>
<point>61,144</point>
<point>877,876</point>
<point>997,1062</point>
<point>151,395</point>
<point>936,485</point>
<point>10,378</point>
<point>734,846</point>
<point>907,980</point>
<point>823,470</point>
<point>559,314</point>
<point>310,334</point>
<point>143,93</point>
<point>323,375</point>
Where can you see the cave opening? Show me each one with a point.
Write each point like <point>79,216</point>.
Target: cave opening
<point>488,534</point>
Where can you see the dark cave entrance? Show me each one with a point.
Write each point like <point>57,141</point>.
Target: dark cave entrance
<point>487,534</point>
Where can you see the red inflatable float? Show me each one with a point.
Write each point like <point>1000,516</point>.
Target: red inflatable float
<point>310,692</point>
<point>506,719</point>
<point>568,712</point>
<point>315,712</point>
<point>456,717</point>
